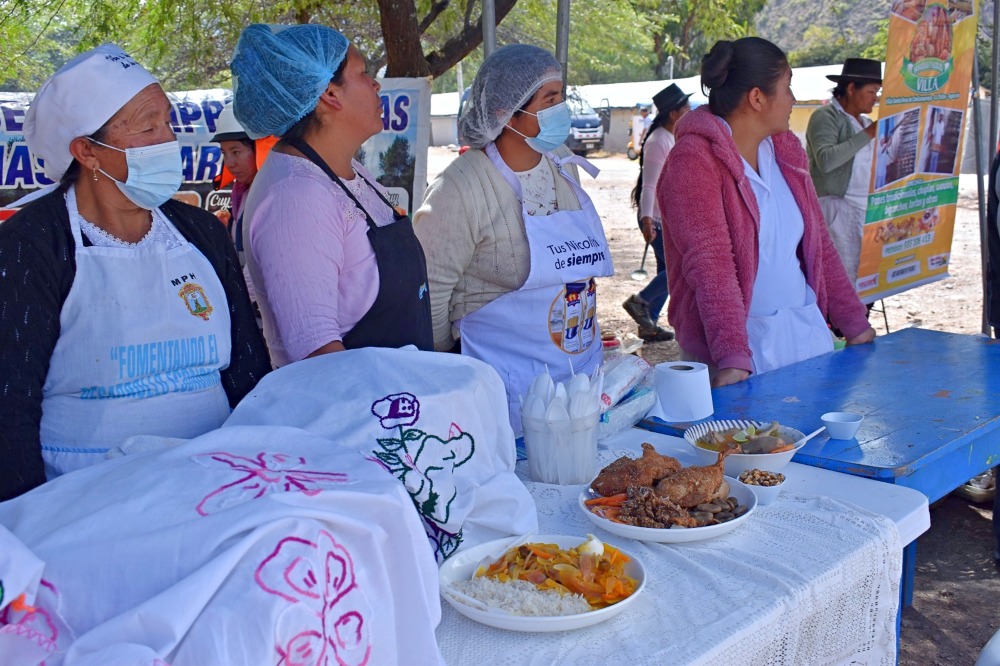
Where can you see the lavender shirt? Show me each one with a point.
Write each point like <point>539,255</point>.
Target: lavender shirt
<point>310,261</point>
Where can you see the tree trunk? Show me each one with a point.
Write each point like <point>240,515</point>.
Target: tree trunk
<point>401,34</point>
<point>661,55</point>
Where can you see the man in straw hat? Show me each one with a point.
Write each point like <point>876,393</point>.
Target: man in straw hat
<point>840,148</point>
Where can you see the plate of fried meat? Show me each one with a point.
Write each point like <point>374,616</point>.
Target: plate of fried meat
<point>655,498</point>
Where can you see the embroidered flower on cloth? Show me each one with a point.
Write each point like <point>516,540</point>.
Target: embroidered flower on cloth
<point>266,474</point>
<point>318,578</point>
<point>398,409</point>
<point>33,632</point>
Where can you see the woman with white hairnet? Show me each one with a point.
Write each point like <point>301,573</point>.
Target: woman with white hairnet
<point>333,265</point>
<point>124,311</point>
<point>513,243</point>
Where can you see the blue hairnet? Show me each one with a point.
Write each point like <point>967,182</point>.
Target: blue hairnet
<point>279,73</point>
<point>506,82</point>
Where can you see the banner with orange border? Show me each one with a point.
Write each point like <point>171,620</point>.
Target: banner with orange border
<point>918,146</point>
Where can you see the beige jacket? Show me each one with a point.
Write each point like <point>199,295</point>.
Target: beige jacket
<point>473,236</point>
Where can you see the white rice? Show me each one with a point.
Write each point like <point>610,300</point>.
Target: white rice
<point>519,597</point>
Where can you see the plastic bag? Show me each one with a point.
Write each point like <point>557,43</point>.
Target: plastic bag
<point>632,409</point>
<point>621,375</point>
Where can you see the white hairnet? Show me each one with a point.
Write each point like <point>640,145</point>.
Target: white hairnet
<point>505,83</point>
<point>280,72</point>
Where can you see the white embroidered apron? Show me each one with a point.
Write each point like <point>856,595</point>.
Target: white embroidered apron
<point>553,316</point>
<point>144,333</point>
<point>845,216</point>
<point>785,325</point>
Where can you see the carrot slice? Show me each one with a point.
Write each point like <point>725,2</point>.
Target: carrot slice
<point>610,500</point>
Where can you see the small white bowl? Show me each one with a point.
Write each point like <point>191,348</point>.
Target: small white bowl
<point>842,425</point>
<point>765,494</point>
<point>737,463</point>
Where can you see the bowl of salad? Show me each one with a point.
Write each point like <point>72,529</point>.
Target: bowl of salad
<point>763,445</point>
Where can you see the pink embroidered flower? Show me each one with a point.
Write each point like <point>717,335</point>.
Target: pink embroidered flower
<point>40,626</point>
<point>320,576</point>
<point>266,474</point>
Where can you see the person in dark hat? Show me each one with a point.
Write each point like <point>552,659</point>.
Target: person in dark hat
<point>841,151</point>
<point>644,307</point>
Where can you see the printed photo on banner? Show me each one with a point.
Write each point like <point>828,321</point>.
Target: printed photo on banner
<point>908,9</point>
<point>912,10</point>
<point>942,131</point>
<point>910,219</point>
<point>896,154</point>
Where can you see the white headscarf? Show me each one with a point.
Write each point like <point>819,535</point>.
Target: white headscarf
<point>77,100</point>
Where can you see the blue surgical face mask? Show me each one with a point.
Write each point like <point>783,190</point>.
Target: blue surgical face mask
<point>154,173</point>
<point>553,127</point>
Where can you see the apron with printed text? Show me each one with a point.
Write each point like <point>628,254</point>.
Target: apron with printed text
<point>143,335</point>
<point>552,319</point>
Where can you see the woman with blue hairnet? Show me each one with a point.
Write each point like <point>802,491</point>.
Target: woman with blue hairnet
<point>334,266</point>
<point>513,243</point>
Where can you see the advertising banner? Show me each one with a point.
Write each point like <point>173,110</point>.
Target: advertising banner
<point>914,189</point>
<point>397,156</point>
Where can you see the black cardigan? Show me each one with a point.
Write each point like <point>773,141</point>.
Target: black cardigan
<point>37,268</point>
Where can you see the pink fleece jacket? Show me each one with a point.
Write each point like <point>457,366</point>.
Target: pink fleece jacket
<point>710,233</point>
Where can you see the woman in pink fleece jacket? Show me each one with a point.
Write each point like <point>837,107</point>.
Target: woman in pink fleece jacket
<point>753,273</point>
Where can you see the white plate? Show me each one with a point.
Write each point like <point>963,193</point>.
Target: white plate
<point>462,565</point>
<point>667,535</point>
<point>737,463</point>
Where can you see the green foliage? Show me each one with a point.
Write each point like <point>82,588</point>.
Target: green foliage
<point>794,24</point>
<point>825,46</point>
<point>878,44</point>
<point>687,29</point>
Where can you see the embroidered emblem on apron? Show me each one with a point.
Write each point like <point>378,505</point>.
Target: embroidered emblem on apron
<point>196,301</point>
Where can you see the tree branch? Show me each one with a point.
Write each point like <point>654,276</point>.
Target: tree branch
<point>469,4</point>
<point>432,15</point>
<point>462,44</point>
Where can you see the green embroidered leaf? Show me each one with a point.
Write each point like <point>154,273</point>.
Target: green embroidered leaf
<point>390,443</point>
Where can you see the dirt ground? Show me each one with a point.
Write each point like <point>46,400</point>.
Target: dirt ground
<point>955,609</point>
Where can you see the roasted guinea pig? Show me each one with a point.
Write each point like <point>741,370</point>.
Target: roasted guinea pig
<point>625,472</point>
<point>692,486</point>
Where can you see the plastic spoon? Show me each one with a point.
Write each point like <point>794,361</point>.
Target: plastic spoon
<point>809,436</point>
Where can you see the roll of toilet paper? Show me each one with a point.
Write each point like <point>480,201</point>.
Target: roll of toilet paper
<point>683,391</point>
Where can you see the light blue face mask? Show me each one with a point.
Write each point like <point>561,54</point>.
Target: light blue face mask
<point>154,173</point>
<point>554,124</point>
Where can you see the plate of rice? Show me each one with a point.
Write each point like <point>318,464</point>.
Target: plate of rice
<point>512,591</point>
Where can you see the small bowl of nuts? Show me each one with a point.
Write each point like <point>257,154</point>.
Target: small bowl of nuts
<point>764,484</point>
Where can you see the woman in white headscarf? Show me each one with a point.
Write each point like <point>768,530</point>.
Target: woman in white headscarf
<point>513,243</point>
<point>124,311</point>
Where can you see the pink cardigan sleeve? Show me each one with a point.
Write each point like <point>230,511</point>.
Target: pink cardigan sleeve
<point>843,307</point>
<point>692,194</point>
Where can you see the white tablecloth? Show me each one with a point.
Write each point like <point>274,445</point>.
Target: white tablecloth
<point>807,580</point>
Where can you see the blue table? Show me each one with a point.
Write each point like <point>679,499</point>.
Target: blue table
<point>931,403</point>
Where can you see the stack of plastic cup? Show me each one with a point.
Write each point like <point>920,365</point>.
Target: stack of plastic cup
<point>560,429</point>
